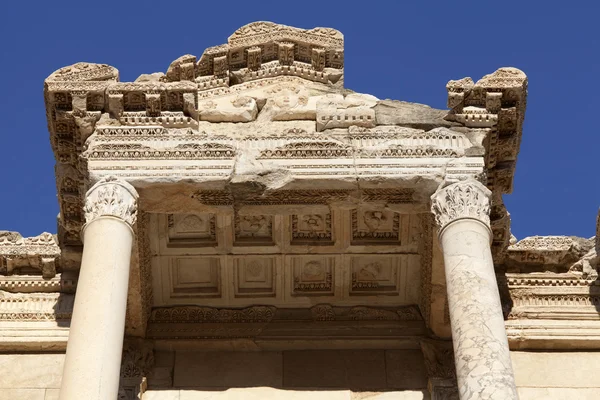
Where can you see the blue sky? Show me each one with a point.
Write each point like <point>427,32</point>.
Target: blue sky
<point>394,49</point>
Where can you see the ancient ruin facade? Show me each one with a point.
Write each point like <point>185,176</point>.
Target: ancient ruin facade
<point>244,226</point>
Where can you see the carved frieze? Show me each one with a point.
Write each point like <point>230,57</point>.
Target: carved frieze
<point>35,306</point>
<point>327,312</point>
<point>197,314</point>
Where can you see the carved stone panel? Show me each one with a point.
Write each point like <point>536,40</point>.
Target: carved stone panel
<point>312,275</point>
<point>196,277</point>
<point>375,227</point>
<point>374,274</point>
<point>189,230</point>
<point>253,230</point>
<point>254,276</point>
<point>312,229</point>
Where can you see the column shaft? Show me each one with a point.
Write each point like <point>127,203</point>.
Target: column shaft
<point>93,359</point>
<point>481,352</point>
<point>482,357</point>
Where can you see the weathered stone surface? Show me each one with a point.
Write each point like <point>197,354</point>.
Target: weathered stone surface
<point>229,109</point>
<point>547,253</point>
<point>154,77</point>
<point>30,371</point>
<point>413,115</point>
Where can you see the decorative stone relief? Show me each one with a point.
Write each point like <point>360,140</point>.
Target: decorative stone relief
<point>33,255</point>
<point>439,363</point>
<point>313,275</point>
<point>375,227</point>
<point>136,364</point>
<point>312,229</point>
<point>111,197</point>
<point>375,273</point>
<point>196,314</point>
<point>253,230</point>
<point>327,312</point>
<point>35,306</point>
<point>188,230</point>
<point>466,199</point>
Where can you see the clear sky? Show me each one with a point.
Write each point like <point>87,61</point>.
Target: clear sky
<point>393,49</point>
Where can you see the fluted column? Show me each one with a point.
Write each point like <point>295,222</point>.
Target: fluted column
<point>93,360</point>
<point>481,353</point>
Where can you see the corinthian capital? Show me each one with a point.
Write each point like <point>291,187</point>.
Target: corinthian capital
<point>111,197</point>
<point>466,199</point>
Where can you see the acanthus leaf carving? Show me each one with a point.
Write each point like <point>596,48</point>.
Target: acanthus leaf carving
<point>111,197</point>
<point>468,199</point>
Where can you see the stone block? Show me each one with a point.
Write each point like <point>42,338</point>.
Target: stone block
<point>403,395</point>
<point>556,369</point>
<point>526,393</point>
<point>405,369</point>
<point>347,369</point>
<point>23,394</point>
<point>52,394</point>
<point>31,371</point>
<point>414,115</point>
<point>162,395</point>
<point>227,369</point>
<point>265,393</point>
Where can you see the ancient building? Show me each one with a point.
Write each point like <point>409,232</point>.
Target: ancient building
<point>243,226</point>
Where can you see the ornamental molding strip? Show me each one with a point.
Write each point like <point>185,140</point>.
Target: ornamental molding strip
<point>462,200</point>
<point>111,197</point>
<point>269,325</point>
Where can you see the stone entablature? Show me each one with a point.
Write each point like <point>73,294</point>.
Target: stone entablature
<point>276,93</point>
<point>33,255</point>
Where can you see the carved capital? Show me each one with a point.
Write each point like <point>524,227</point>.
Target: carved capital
<point>468,199</point>
<point>111,197</point>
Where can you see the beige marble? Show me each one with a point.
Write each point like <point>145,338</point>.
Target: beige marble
<point>482,358</point>
<point>559,369</point>
<point>260,393</point>
<point>527,393</point>
<point>30,371</point>
<point>23,394</point>
<point>221,369</point>
<point>93,359</point>
<point>52,394</point>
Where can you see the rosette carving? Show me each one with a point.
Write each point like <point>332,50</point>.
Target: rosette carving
<point>111,197</point>
<point>465,199</point>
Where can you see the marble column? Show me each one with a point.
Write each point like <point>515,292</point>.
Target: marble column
<point>93,360</point>
<point>481,353</point>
